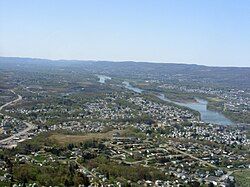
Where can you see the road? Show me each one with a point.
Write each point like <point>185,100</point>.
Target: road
<point>89,172</point>
<point>189,155</point>
<point>165,148</point>
<point>30,126</point>
<point>12,102</point>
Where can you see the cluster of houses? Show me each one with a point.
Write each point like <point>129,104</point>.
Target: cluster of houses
<point>162,113</point>
<point>10,126</point>
<point>184,157</point>
<point>6,96</point>
<point>234,100</point>
<point>217,134</point>
<point>76,126</point>
<point>183,169</point>
<point>112,107</point>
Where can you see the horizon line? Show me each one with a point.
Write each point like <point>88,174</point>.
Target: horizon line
<point>122,61</point>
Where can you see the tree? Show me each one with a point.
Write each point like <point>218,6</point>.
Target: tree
<point>66,182</point>
<point>81,179</point>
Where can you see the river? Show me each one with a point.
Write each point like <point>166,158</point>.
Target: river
<point>207,116</point>
<point>132,88</point>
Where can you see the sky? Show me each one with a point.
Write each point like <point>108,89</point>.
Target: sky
<point>208,32</point>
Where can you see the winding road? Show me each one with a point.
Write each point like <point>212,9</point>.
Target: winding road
<point>29,125</point>
<point>12,102</point>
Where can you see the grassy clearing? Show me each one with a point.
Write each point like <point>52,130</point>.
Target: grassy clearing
<point>67,139</point>
<point>242,178</point>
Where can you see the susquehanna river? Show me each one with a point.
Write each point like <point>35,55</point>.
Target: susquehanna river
<point>130,87</point>
<point>207,116</point>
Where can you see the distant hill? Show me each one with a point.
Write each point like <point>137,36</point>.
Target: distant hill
<point>233,77</point>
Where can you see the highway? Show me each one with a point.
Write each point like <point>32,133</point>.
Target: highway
<point>12,102</point>
<point>30,126</point>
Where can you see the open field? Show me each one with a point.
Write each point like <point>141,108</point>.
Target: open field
<point>242,178</point>
<point>66,139</point>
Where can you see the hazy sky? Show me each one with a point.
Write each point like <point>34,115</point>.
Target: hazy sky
<point>211,32</point>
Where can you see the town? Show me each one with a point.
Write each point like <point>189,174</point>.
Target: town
<point>73,129</point>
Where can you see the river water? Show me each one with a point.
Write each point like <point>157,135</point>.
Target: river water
<point>207,116</point>
<point>132,88</point>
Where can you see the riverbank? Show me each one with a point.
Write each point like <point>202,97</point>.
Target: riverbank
<point>214,104</point>
<point>187,100</point>
<point>200,105</point>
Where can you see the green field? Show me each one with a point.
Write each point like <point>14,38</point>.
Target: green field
<point>242,178</point>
